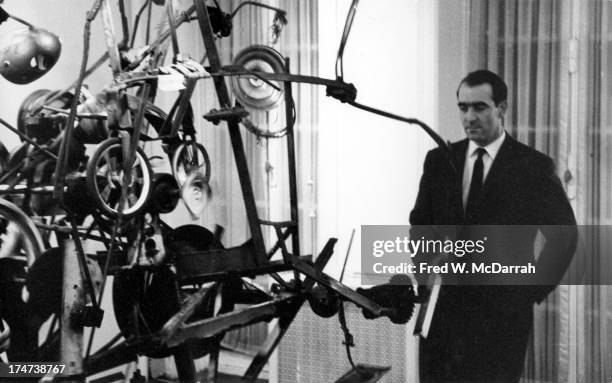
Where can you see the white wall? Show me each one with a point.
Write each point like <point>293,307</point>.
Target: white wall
<point>369,166</point>
<point>405,57</point>
<point>65,18</point>
<point>452,64</point>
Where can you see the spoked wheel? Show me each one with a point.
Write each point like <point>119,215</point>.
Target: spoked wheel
<point>143,302</point>
<point>105,174</point>
<point>20,246</point>
<point>145,299</point>
<point>190,157</point>
<point>19,236</point>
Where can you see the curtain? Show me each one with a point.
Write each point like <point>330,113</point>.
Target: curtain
<point>554,56</point>
<point>267,158</point>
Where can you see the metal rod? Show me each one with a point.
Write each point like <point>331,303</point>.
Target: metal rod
<point>80,254</point>
<point>213,363</point>
<point>111,343</point>
<point>137,21</point>
<point>124,24</point>
<point>82,115</point>
<point>174,324</point>
<point>172,27</point>
<point>62,158</point>
<point>275,336</point>
<point>71,350</point>
<point>232,71</point>
<point>441,143</point>
<point>254,3</point>
<point>28,139</point>
<point>344,291</point>
<point>234,130</point>
<point>272,341</point>
<point>183,106</point>
<point>149,11</point>
<point>18,189</point>
<point>293,193</point>
<point>55,95</point>
<point>22,21</point>
<point>110,38</point>
<point>208,327</point>
<point>348,251</point>
<point>277,245</point>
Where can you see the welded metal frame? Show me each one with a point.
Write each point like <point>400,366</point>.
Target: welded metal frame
<point>247,260</point>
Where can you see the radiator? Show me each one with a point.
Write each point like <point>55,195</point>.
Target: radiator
<point>312,349</point>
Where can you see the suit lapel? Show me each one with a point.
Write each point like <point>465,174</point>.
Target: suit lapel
<point>499,169</point>
<point>459,151</point>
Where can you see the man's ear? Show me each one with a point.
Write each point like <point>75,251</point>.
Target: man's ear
<point>503,106</point>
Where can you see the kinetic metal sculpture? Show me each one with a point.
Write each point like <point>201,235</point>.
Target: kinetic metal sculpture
<point>175,289</point>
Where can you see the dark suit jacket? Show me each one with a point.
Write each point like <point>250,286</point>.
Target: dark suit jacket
<point>521,188</point>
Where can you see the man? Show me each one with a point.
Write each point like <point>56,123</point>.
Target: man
<point>479,331</point>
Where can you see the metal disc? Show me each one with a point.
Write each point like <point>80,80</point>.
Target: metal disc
<point>253,92</point>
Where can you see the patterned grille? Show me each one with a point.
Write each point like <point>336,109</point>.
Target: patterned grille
<point>312,350</point>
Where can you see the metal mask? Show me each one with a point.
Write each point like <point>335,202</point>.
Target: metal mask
<point>31,53</point>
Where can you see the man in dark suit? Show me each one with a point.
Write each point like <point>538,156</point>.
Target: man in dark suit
<point>479,331</point>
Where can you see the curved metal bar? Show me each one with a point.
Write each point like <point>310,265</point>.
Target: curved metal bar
<point>256,4</point>
<point>230,71</point>
<point>137,21</point>
<point>22,21</point>
<point>338,84</point>
<point>26,138</point>
<point>435,136</point>
<point>345,35</point>
<point>60,169</point>
<point>12,213</point>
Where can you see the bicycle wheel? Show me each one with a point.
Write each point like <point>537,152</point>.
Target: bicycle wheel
<point>188,158</point>
<point>105,171</point>
<point>20,246</point>
<point>20,239</point>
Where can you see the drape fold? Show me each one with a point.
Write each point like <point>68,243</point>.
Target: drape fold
<point>555,56</point>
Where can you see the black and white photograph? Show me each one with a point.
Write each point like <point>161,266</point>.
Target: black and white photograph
<point>306,191</point>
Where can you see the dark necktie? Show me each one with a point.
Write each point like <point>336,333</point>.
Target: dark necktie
<point>475,185</point>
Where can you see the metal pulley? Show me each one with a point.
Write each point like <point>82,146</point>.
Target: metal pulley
<point>323,301</point>
<point>166,194</point>
<point>253,92</point>
<point>39,126</point>
<point>31,53</point>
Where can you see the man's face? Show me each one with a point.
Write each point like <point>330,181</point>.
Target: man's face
<point>481,118</point>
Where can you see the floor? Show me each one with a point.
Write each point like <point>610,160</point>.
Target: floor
<point>223,378</point>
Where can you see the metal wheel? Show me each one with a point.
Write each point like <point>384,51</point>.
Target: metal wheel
<point>20,246</point>
<point>105,171</point>
<point>257,95</point>
<point>190,157</point>
<point>253,92</point>
<point>20,237</point>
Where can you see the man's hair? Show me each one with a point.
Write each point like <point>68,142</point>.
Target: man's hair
<point>483,76</point>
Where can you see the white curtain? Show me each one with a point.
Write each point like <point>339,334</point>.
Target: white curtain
<point>267,158</point>
<point>555,57</point>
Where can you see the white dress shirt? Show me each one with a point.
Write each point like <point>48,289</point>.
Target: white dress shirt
<point>470,157</point>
